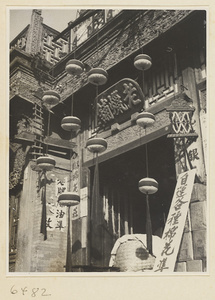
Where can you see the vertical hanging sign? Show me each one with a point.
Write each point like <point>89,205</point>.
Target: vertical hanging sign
<point>56,214</point>
<point>75,210</point>
<point>170,242</point>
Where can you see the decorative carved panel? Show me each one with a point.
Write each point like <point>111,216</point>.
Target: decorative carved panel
<point>117,103</point>
<point>124,44</point>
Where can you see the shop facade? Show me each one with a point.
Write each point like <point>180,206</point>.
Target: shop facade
<point>111,205</point>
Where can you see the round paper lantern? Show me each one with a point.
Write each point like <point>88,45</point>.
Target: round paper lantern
<point>142,62</point>
<point>71,123</point>
<point>148,185</point>
<point>46,163</point>
<point>69,199</point>
<point>96,145</point>
<point>74,67</point>
<point>97,76</point>
<point>50,98</point>
<point>145,119</point>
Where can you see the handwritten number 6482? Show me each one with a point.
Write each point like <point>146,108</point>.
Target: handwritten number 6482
<point>34,291</point>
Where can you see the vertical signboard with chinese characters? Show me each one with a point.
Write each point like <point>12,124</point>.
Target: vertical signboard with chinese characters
<point>75,187</point>
<point>195,156</point>
<point>56,214</point>
<point>172,235</point>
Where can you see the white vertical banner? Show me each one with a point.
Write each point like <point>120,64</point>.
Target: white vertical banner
<point>83,202</point>
<point>56,217</point>
<point>203,122</point>
<point>56,214</point>
<point>172,235</point>
<point>84,231</point>
<point>83,215</point>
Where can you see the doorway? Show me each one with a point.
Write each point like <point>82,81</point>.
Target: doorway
<point>124,206</point>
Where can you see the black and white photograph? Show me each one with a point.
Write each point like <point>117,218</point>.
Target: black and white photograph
<point>108,135</point>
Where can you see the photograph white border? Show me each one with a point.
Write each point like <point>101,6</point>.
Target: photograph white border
<point>185,284</point>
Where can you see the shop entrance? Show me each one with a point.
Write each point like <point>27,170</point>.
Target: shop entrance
<point>124,206</point>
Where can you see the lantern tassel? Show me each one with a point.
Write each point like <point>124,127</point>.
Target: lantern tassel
<point>143,82</point>
<point>96,109</point>
<point>147,163</point>
<point>43,228</point>
<point>148,227</point>
<point>72,103</point>
<point>48,130</point>
<point>68,254</point>
<point>96,218</point>
<point>96,203</point>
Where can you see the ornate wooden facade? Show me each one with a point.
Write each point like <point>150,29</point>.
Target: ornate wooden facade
<point>176,42</point>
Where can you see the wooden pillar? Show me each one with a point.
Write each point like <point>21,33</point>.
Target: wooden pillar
<point>11,233</point>
<point>25,229</point>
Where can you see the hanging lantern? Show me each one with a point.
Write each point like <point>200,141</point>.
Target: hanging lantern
<point>69,199</point>
<point>71,123</point>
<point>97,76</point>
<point>142,62</point>
<point>74,67</point>
<point>145,119</point>
<point>46,163</point>
<point>50,98</point>
<point>96,145</point>
<point>148,185</point>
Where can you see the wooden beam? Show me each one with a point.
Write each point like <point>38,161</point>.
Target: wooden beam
<point>130,146</point>
<point>59,143</point>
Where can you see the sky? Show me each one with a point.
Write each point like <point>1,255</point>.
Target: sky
<point>55,18</point>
